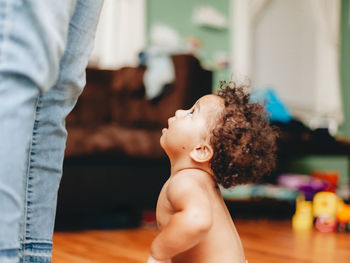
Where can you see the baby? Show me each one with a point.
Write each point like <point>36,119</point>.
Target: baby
<point>223,139</point>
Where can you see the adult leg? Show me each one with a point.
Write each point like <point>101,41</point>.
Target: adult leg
<point>46,151</point>
<point>33,36</point>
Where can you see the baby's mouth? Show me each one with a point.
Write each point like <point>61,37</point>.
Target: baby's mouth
<point>164,130</point>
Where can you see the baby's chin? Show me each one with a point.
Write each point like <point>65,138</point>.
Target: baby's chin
<point>164,131</point>
<point>161,141</point>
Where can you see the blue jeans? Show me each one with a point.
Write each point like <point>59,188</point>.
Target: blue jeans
<point>44,50</point>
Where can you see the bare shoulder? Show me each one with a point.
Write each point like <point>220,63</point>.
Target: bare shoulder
<point>189,184</point>
<point>189,178</point>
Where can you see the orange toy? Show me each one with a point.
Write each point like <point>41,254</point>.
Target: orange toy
<point>331,177</point>
<point>343,217</point>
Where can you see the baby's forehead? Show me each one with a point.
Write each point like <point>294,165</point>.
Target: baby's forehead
<point>211,106</point>
<point>211,102</point>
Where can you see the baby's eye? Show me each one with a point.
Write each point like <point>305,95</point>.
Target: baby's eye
<point>191,112</point>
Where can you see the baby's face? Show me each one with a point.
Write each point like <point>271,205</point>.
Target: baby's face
<point>189,128</point>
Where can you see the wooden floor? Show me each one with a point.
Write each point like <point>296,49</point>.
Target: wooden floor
<point>263,242</point>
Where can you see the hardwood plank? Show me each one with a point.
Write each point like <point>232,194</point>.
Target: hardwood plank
<point>130,246</point>
<point>263,242</point>
<point>275,242</point>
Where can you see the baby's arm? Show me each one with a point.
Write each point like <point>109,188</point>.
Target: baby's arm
<point>191,221</point>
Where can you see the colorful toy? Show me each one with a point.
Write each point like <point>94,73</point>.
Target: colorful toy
<point>325,208</point>
<point>303,218</point>
<point>325,224</point>
<point>330,177</point>
<point>326,204</point>
<point>343,217</point>
<point>308,185</point>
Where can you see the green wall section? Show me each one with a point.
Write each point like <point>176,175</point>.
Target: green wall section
<point>306,164</point>
<point>345,65</point>
<point>178,15</point>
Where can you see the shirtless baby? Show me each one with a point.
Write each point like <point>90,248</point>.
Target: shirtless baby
<point>222,140</point>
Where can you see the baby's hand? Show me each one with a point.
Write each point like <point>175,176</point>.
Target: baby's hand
<point>153,260</point>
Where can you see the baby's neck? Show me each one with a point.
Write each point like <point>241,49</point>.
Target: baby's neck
<point>178,165</point>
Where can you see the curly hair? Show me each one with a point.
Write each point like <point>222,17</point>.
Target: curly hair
<point>243,141</point>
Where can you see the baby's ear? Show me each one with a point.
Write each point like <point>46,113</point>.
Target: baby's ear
<point>202,153</point>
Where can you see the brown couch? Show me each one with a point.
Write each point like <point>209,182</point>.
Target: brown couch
<point>113,115</point>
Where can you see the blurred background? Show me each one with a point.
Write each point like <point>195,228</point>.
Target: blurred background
<point>152,57</point>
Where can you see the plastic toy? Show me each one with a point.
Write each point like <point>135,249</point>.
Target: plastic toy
<point>303,218</point>
<point>326,204</point>
<point>325,208</point>
<point>343,217</point>
<point>331,177</point>
<point>308,185</point>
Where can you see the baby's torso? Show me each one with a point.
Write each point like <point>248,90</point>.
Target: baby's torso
<point>221,244</point>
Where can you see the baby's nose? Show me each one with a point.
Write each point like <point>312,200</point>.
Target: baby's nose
<point>178,113</point>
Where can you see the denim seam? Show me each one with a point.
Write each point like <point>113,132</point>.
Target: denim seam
<point>28,174</point>
<point>4,28</point>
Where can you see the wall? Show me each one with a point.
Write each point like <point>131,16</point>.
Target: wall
<point>178,14</point>
<point>306,164</point>
<point>345,65</point>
